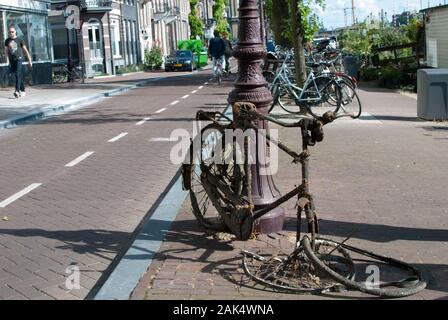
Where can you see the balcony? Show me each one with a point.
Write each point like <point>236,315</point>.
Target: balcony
<point>96,5</point>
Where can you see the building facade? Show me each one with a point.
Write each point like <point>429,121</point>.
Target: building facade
<point>169,23</point>
<point>30,18</point>
<point>233,17</point>
<point>106,38</point>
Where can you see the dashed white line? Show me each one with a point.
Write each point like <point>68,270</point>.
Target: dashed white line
<point>121,135</point>
<point>206,82</point>
<point>185,96</point>
<point>79,159</point>
<point>163,139</point>
<point>161,110</point>
<point>200,87</point>
<point>19,194</point>
<point>174,102</point>
<point>194,91</point>
<point>142,121</point>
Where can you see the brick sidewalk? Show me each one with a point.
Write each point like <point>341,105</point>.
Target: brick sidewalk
<point>41,97</point>
<point>382,177</point>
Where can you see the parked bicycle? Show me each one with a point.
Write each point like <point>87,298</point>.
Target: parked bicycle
<point>320,92</point>
<point>63,74</point>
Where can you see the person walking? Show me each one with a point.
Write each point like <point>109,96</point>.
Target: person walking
<point>228,51</point>
<point>14,49</point>
<point>216,50</point>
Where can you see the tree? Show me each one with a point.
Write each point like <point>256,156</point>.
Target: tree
<point>219,9</point>
<point>303,27</point>
<point>279,21</point>
<point>293,24</point>
<point>196,24</point>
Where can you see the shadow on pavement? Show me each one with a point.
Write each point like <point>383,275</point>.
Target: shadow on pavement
<point>93,241</point>
<point>372,232</point>
<point>397,118</point>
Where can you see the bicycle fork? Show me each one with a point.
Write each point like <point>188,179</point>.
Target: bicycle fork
<point>304,198</point>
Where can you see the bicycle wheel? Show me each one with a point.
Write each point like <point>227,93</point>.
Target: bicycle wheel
<point>59,77</point>
<point>275,92</point>
<point>219,77</point>
<point>213,157</point>
<point>287,102</point>
<point>296,272</point>
<point>323,96</point>
<point>350,102</point>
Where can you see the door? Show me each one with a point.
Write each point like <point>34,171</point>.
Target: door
<point>96,47</point>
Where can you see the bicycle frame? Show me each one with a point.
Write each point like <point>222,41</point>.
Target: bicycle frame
<point>294,90</point>
<point>304,200</point>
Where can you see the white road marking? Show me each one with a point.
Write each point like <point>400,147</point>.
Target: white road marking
<point>174,102</point>
<point>206,82</point>
<point>161,110</point>
<point>142,121</point>
<point>365,118</point>
<point>79,159</point>
<point>121,135</point>
<point>19,194</point>
<point>185,96</point>
<point>162,139</point>
<point>194,91</point>
<point>200,87</point>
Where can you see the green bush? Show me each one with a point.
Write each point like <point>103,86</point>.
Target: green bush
<point>153,58</point>
<point>369,74</point>
<point>390,77</point>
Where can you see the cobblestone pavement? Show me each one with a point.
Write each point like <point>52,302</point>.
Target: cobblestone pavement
<point>85,207</point>
<point>381,179</point>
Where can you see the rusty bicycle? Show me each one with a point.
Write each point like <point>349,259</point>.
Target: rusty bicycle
<point>218,178</point>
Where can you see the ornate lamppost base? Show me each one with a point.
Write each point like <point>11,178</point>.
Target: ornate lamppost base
<point>251,86</point>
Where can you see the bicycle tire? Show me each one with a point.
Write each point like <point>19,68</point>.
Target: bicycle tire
<point>350,102</point>
<point>209,217</point>
<point>59,78</point>
<point>393,292</point>
<point>275,92</point>
<point>317,109</point>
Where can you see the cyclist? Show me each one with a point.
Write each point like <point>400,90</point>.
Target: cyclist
<point>228,51</point>
<point>216,50</point>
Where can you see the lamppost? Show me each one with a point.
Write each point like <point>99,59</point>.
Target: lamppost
<point>250,86</point>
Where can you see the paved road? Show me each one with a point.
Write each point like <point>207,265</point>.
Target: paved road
<point>75,187</point>
<point>381,180</point>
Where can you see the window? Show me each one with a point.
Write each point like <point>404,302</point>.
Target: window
<point>2,39</point>
<point>115,38</point>
<point>18,20</point>
<point>38,37</point>
<point>95,44</point>
<point>33,30</point>
<point>59,43</point>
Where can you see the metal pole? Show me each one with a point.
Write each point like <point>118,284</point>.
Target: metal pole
<point>250,86</point>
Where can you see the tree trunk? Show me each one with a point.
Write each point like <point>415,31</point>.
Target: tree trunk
<point>279,10</point>
<point>297,40</point>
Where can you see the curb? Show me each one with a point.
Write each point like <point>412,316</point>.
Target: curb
<point>49,111</point>
<point>127,269</point>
